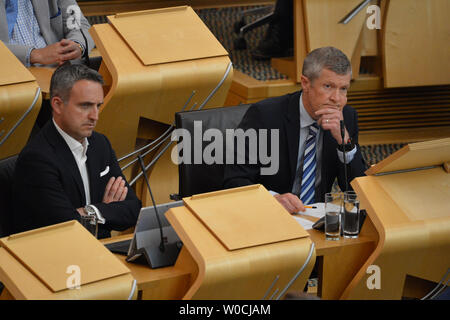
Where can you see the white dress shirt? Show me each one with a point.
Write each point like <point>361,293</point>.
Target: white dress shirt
<point>79,152</point>
<point>305,122</point>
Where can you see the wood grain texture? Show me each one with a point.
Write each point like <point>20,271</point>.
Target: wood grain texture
<point>153,92</point>
<point>416,43</point>
<point>190,40</point>
<point>239,274</point>
<point>34,265</point>
<point>413,222</point>
<point>265,219</point>
<point>17,91</point>
<point>322,27</point>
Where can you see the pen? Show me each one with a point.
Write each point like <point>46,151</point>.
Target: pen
<point>311,207</point>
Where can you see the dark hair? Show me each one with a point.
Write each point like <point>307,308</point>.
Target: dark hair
<point>65,76</point>
<point>327,57</point>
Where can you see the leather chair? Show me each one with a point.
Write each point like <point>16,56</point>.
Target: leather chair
<point>203,177</point>
<point>7,167</point>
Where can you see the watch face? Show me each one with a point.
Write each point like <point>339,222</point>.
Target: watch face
<point>90,211</point>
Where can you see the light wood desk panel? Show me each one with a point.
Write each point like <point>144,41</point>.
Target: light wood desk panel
<point>338,261</point>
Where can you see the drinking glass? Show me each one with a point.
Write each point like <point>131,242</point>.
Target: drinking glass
<point>333,204</point>
<point>350,215</point>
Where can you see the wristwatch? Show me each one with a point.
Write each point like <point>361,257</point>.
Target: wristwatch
<point>348,146</point>
<point>93,211</point>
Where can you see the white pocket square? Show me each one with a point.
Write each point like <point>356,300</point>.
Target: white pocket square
<point>104,171</point>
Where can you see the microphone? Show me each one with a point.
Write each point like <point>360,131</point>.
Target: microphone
<point>343,150</point>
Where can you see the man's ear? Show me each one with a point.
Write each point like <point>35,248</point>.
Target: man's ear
<point>305,83</point>
<point>57,105</point>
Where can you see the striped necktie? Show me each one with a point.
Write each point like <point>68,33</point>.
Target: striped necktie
<point>309,166</point>
<point>11,9</point>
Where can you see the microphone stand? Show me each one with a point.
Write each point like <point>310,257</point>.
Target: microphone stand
<point>343,150</point>
<point>161,245</point>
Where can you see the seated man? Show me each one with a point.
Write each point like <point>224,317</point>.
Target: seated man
<point>44,32</point>
<point>308,123</point>
<point>68,169</point>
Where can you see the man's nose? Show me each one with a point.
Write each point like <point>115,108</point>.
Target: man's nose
<point>93,115</point>
<point>334,96</point>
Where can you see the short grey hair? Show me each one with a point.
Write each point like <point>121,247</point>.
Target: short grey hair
<point>65,77</point>
<point>325,58</point>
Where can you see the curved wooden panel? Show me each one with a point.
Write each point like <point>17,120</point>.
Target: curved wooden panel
<point>410,244</point>
<point>18,90</point>
<point>239,274</point>
<point>323,28</point>
<point>154,92</point>
<point>416,45</point>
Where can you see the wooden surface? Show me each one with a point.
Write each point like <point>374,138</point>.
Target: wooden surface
<point>415,155</point>
<point>240,274</point>
<point>13,70</point>
<point>322,27</point>
<point>93,8</point>
<point>50,264</point>
<point>416,43</point>
<point>43,76</point>
<point>154,93</point>
<point>190,40</point>
<point>18,88</point>
<point>410,212</point>
<point>265,220</point>
<point>34,265</point>
<point>349,254</point>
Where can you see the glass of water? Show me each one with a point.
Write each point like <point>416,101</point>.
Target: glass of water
<point>350,215</point>
<point>333,204</point>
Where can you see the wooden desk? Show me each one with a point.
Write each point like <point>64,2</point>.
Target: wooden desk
<point>338,262</point>
<point>20,102</point>
<point>43,76</point>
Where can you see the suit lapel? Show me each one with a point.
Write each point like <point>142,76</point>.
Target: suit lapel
<point>3,23</point>
<point>65,156</point>
<point>292,126</point>
<point>42,13</point>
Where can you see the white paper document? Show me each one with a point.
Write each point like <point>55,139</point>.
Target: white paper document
<point>318,211</point>
<point>306,224</point>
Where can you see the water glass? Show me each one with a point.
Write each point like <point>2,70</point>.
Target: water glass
<point>350,215</point>
<point>333,204</point>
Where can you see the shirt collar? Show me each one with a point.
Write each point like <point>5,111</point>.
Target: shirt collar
<point>305,118</point>
<point>71,142</point>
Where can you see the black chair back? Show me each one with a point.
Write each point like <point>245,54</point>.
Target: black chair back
<point>7,167</point>
<point>195,178</point>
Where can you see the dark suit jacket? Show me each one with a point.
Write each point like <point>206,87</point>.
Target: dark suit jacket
<point>48,187</point>
<point>283,113</point>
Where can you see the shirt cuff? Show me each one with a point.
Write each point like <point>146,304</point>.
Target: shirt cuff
<point>98,214</point>
<point>348,155</point>
<point>28,57</point>
<point>273,193</point>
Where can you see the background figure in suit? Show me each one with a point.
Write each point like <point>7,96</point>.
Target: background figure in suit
<point>302,148</point>
<point>278,40</point>
<point>44,32</point>
<point>68,169</point>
